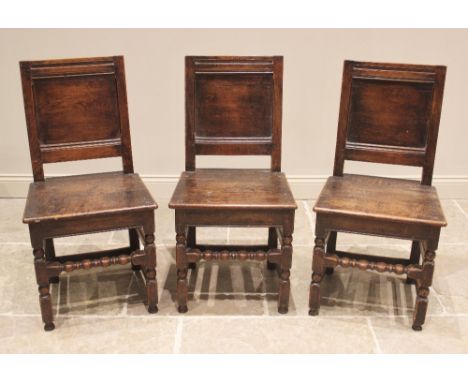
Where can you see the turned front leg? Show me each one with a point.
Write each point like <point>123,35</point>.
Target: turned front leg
<point>422,289</point>
<point>42,278</point>
<point>318,270</point>
<point>285,272</point>
<point>150,273</point>
<point>181,262</point>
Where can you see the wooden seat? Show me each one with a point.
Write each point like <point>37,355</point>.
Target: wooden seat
<point>86,195</point>
<point>233,107</point>
<point>218,188</point>
<point>76,109</point>
<point>398,200</point>
<point>389,114</point>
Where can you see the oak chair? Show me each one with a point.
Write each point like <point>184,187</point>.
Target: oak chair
<point>233,107</point>
<point>389,114</point>
<point>76,109</point>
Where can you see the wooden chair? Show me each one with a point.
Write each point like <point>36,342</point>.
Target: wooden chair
<point>77,109</point>
<point>389,114</point>
<point>233,107</point>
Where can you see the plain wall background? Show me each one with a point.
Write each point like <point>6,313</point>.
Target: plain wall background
<point>313,62</point>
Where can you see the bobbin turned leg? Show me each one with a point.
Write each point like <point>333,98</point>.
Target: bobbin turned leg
<point>415,257</point>
<point>150,273</point>
<point>272,244</point>
<point>42,278</point>
<point>134,245</point>
<point>192,243</point>
<point>285,272</point>
<point>318,267</point>
<point>422,289</point>
<point>181,262</point>
<point>50,256</point>
<point>331,248</point>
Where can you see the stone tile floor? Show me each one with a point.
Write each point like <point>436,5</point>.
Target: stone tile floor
<point>232,308</point>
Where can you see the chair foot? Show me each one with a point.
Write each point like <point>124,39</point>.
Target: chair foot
<point>54,280</point>
<point>152,309</point>
<point>417,328</point>
<point>329,271</point>
<point>313,312</point>
<point>182,309</point>
<point>136,268</point>
<point>192,265</point>
<point>49,327</point>
<point>282,309</point>
<point>271,266</point>
<point>410,281</point>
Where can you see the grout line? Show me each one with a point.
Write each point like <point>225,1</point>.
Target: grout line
<point>266,311</point>
<point>378,349</point>
<point>59,300</point>
<point>399,245</point>
<point>15,243</point>
<point>240,317</point>
<point>309,215</point>
<point>178,336</point>
<point>460,208</point>
<point>124,310</point>
<point>339,300</point>
<point>77,244</point>
<point>437,297</point>
<point>111,237</point>
<point>246,294</point>
<point>68,293</point>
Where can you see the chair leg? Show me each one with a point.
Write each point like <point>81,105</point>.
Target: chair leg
<point>134,245</point>
<point>150,274</point>
<point>422,290</point>
<point>285,272</point>
<point>415,258</point>
<point>50,256</point>
<point>192,243</point>
<point>331,248</point>
<point>43,287</point>
<point>181,262</point>
<point>272,244</point>
<point>318,268</point>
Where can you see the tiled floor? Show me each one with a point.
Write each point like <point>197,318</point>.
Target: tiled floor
<point>233,305</point>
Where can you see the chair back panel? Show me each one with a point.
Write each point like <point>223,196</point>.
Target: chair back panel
<point>233,107</point>
<point>76,109</point>
<point>390,114</point>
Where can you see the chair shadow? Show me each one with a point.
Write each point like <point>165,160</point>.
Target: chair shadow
<point>225,280</point>
<point>96,291</point>
<point>384,294</point>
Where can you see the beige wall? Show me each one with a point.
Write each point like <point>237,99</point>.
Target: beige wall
<point>312,78</point>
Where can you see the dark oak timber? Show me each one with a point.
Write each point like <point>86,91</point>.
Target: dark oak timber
<point>389,114</point>
<point>76,109</point>
<point>233,107</point>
